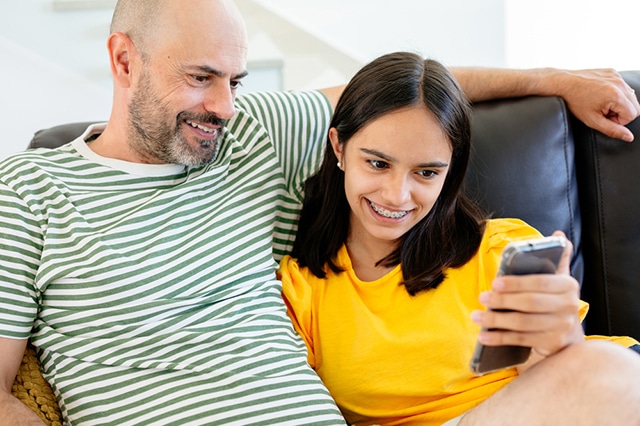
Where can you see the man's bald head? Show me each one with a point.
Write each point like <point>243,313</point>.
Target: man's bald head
<point>138,19</point>
<point>144,21</point>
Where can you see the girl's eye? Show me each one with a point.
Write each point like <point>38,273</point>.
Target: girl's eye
<point>427,173</point>
<point>378,164</point>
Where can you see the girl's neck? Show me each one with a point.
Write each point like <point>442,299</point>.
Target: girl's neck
<point>365,257</point>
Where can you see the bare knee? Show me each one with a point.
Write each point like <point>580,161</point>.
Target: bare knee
<point>590,383</point>
<point>591,365</point>
<point>593,358</point>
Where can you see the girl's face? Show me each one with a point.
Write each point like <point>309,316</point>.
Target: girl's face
<point>394,168</point>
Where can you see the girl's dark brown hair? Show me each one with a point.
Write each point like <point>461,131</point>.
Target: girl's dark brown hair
<point>451,232</point>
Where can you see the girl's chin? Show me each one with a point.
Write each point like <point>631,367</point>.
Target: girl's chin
<point>386,235</point>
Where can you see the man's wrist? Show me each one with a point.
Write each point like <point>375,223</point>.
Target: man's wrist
<point>547,81</point>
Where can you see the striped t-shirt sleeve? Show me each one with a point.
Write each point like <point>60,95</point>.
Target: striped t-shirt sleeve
<point>297,124</point>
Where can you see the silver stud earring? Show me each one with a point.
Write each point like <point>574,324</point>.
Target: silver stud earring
<point>339,165</point>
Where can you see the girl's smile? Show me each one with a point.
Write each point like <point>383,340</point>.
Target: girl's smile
<point>388,214</point>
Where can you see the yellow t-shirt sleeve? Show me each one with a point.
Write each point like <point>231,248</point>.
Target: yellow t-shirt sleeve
<point>625,341</point>
<point>498,234</point>
<point>297,294</point>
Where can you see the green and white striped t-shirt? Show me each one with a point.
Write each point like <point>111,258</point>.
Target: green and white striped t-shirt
<point>150,290</point>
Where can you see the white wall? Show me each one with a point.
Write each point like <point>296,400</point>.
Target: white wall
<point>54,69</point>
<point>461,32</point>
<point>514,33</point>
<point>36,93</point>
<point>573,34</point>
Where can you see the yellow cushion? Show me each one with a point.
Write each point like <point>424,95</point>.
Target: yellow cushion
<point>31,388</point>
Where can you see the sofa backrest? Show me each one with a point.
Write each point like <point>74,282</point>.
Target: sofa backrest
<point>530,157</point>
<point>609,175</point>
<point>523,166</point>
<point>56,136</point>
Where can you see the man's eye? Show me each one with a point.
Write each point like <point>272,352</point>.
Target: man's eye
<point>200,78</point>
<point>378,164</point>
<point>235,84</point>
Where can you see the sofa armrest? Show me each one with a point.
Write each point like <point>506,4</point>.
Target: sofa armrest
<point>32,390</point>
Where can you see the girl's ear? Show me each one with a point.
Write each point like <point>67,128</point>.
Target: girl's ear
<point>335,143</point>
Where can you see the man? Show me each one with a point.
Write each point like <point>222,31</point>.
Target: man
<point>140,258</point>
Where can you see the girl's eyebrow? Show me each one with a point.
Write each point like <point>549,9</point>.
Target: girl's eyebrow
<point>385,157</point>
<point>377,154</point>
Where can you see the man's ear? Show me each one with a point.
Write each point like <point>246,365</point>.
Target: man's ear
<point>121,52</point>
<point>335,143</point>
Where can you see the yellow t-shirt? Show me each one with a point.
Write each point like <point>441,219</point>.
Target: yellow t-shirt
<point>391,358</point>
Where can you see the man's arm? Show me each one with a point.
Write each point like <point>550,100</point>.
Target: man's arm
<point>12,411</point>
<point>600,98</point>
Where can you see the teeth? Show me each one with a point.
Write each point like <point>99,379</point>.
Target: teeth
<point>387,213</point>
<point>201,127</point>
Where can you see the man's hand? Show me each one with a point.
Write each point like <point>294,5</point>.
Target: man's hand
<point>601,99</point>
<point>542,311</point>
<point>12,411</point>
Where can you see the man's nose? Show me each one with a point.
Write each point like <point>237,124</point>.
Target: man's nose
<point>219,99</point>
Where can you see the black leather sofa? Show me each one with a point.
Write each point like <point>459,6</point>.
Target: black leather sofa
<point>531,159</point>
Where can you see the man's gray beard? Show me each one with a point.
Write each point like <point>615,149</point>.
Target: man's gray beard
<point>180,151</point>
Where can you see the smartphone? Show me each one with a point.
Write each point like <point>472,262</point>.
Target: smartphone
<point>536,256</point>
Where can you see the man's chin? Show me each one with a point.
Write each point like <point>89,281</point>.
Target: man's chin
<point>201,154</point>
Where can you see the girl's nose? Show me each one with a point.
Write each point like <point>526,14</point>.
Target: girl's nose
<point>397,190</point>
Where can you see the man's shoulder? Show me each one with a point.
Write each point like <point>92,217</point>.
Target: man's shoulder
<point>26,165</point>
<point>279,96</point>
<point>283,116</point>
<point>30,156</point>
<point>281,103</point>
